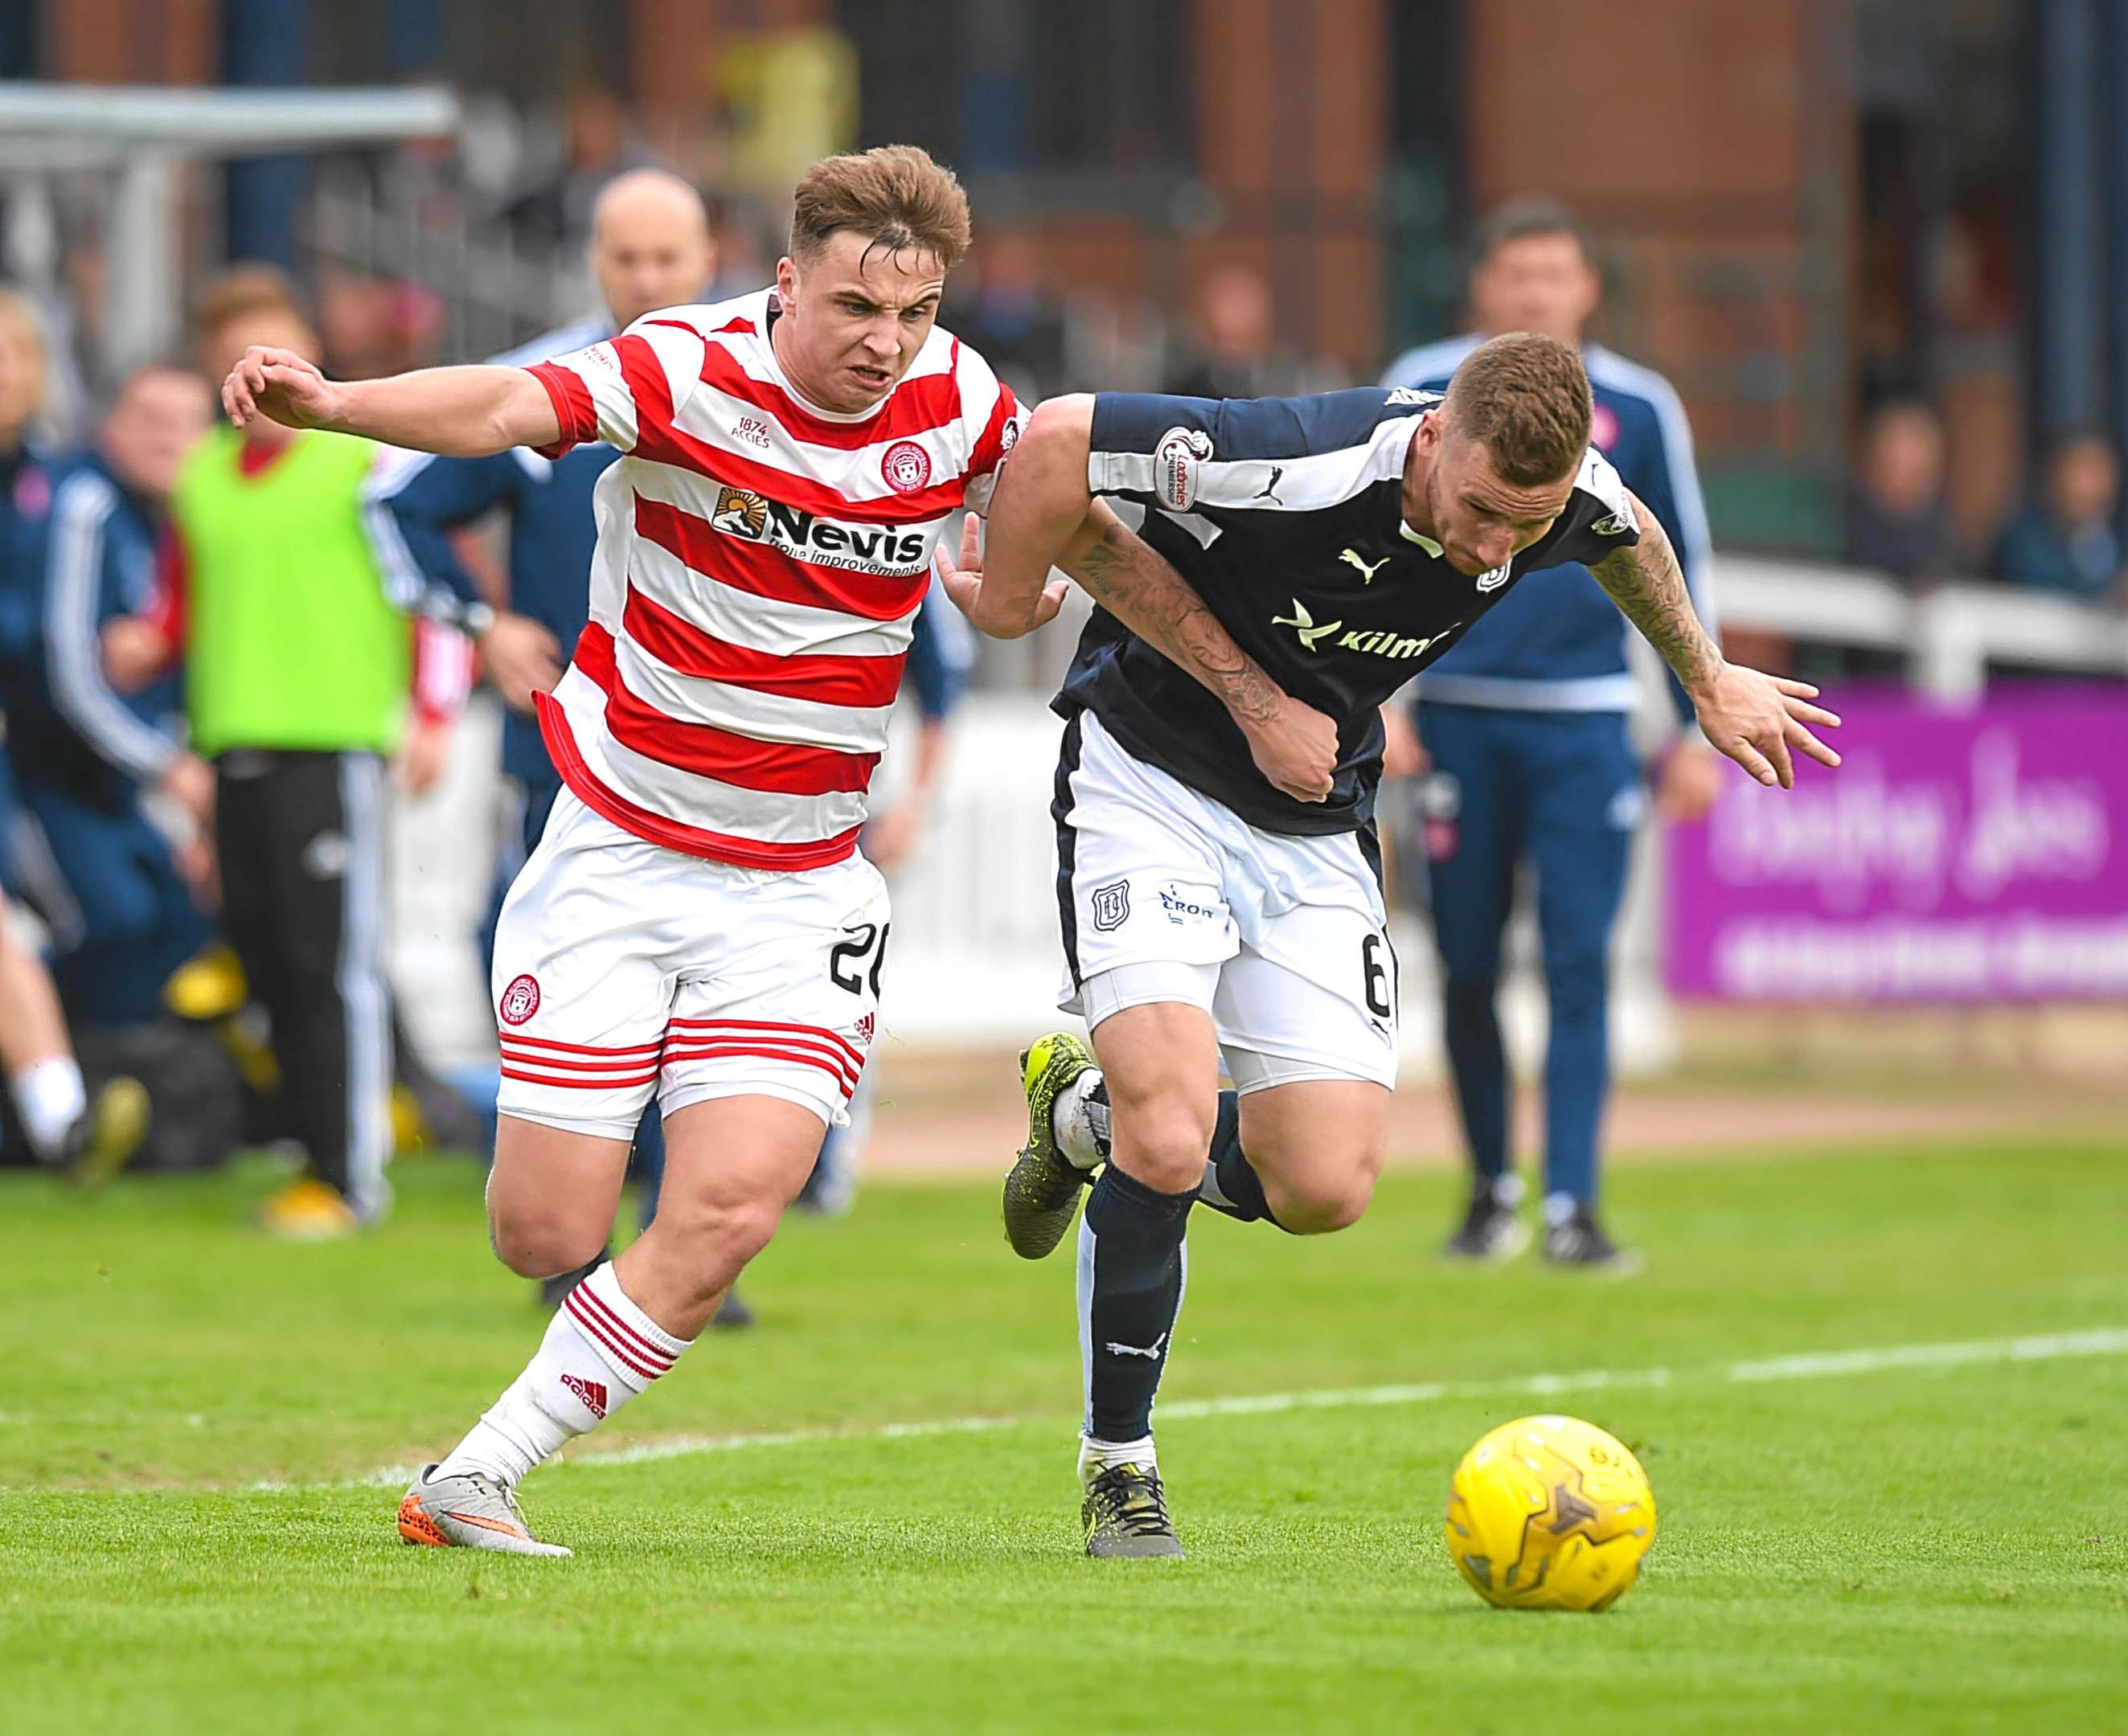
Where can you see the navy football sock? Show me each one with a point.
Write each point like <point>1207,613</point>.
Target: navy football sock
<point>1231,1183</point>
<point>1132,1264</point>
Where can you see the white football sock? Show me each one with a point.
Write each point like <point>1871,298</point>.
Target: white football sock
<point>1079,1121</point>
<point>1096,1456</point>
<point>50,1097</point>
<point>600,1351</point>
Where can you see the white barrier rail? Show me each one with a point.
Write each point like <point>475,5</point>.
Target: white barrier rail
<point>1951,636</point>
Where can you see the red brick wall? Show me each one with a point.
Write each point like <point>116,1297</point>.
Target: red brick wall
<point>1709,147</point>
<point>135,42</point>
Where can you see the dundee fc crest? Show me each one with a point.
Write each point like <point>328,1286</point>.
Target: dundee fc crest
<point>1112,906</point>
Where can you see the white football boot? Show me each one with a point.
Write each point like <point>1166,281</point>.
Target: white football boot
<point>468,1512</point>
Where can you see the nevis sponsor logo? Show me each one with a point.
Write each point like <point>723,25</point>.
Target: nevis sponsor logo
<point>1368,642</point>
<point>882,548</point>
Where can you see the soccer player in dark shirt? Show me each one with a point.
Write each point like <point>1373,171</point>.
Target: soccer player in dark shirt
<point>1218,876</point>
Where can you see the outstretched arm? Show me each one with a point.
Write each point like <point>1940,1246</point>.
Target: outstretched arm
<point>460,412</point>
<point>1755,718</point>
<point>1044,516</point>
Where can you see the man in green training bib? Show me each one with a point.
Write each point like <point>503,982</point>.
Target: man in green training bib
<point>300,665</point>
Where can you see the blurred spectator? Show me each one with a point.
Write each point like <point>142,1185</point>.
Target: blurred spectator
<point>373,326</point>
<point>92,1140</point>
<point>1237,355</point>
<point>26,465</point>
<point>297,669</point>
<point>1526,724</point>
<point>1008,316</point>
<point>1897,519</point>
<point>122,916</point>
<point>598,143</point>
<point>2066,543</point>
<point>50,1099</point>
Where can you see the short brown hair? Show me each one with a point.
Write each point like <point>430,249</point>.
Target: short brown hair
<point>1522,219</point>
<point>1525,398</point>
<point>243,290</point>
<point>895,196</point>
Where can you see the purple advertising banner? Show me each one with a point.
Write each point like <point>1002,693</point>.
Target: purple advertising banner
<point>1963,855</point>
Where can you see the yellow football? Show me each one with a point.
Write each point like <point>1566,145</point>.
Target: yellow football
<point>1550,1513</point>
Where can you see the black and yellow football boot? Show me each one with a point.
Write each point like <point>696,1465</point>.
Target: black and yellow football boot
<point>1041,1193</point>
<point>1125,1513</point>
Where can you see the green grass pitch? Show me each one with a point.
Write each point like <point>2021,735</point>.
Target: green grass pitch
<point>1941,1546</point>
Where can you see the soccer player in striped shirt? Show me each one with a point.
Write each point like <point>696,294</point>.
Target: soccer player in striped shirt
<point>696,923</point>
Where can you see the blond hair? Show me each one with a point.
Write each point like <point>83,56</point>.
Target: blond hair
<point>242,291</point>
<point>1525,398</point>
<point>28,319</point>
<point>895,196</point>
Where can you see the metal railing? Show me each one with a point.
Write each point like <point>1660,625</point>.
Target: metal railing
<point>498,291</point>
<point>1951,637</point>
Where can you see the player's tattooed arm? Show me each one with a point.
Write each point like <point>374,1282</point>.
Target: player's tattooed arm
<point>1144,591</point>
<point>1645,581</point>
<point>1755,718</point>
<point>1294,746</point>
<point>1043,516</point>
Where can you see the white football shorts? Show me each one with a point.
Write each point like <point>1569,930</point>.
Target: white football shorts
<point>1165,895</point>
<point>624,970</point>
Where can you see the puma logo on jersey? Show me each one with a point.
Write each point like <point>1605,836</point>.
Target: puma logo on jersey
<point>1351,558</point>
<point>1304,624</point>
<point>1269,492</point>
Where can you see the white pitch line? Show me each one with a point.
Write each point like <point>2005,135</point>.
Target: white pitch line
<point>2047,1347</point>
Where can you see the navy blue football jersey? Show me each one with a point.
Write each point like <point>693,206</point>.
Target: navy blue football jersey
<point>1286,516</point>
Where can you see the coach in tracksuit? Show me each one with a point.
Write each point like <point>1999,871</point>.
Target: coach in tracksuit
<point>121,915</point>
<point>1525,722</point>
<point>651,248</point>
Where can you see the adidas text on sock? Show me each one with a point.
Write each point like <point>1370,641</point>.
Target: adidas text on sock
<point>600,1351</point>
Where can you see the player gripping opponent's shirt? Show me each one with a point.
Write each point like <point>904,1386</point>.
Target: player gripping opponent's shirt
<point>1297,560</point>
<point>1185,870</point>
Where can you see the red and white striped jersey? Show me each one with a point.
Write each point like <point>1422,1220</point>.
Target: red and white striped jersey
<point>758,566</point>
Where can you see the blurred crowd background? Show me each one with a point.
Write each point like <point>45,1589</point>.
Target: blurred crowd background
<point>1880,246</point>
<point>1872,241</point>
